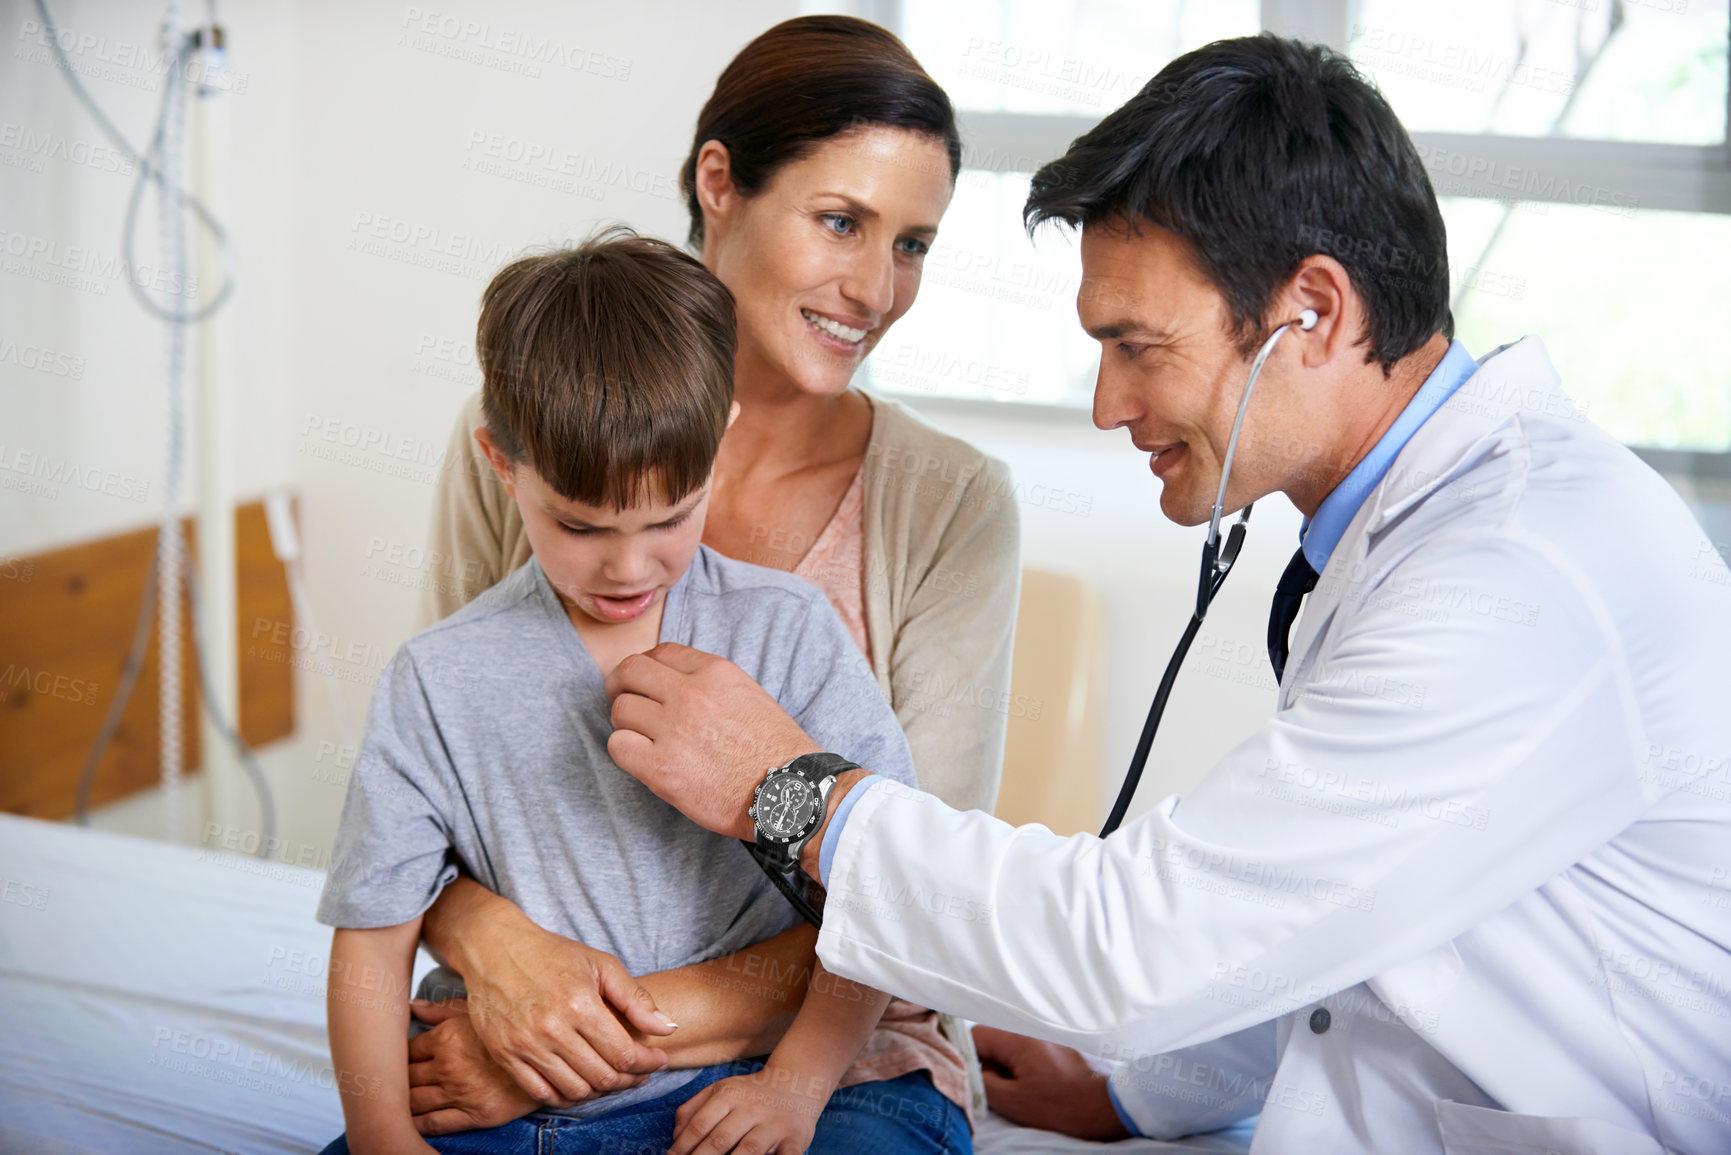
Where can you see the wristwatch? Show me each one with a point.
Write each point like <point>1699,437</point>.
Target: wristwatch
<point>789,806</point>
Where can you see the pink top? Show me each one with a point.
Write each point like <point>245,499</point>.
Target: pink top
<point>907,1038</point>
<point>835,563</point>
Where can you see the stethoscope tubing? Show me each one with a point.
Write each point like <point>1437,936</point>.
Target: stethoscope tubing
<point>1145,743</point>
<point>1216,564</point>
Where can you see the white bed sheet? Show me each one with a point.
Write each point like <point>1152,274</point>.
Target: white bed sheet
<point>160,998</point>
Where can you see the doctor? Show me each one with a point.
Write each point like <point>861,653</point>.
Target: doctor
<point>1470,887</point>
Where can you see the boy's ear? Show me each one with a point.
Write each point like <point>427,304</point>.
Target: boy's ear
<point>501,464</point>
<point>732,415</point>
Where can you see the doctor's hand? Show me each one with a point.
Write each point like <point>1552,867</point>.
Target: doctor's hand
<point>697,731</point>
<point>1038,1084</point>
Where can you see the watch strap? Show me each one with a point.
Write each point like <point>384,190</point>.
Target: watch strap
<point>801,891</point>
<point>814,768</point>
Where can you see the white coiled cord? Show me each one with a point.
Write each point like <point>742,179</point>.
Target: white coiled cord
<point>160,164</point>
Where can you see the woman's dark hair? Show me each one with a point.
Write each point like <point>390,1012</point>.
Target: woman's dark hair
<point>1259,152</point>
<point>804,81</point>
<point>609,368</point>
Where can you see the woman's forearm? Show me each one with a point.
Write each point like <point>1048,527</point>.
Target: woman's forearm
<point>464,919</point>
<point>727,1008</point>
<point>735,1006</point>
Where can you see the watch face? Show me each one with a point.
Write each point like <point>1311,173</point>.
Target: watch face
<point>786,805</point>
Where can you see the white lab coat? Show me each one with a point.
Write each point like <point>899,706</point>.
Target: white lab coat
<point>1488,829</point>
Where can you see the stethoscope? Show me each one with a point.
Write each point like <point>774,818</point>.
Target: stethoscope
<point>1216,564</point>
<point>807,898</point>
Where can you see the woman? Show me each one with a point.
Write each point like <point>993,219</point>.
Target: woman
<point>818,173</point>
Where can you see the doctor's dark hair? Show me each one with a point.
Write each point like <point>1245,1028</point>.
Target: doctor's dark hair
<point>801,83</point>
<point>1259,152</point>
<point>608,368</point>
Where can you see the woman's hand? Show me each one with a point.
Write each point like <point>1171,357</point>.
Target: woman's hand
<point>548,1009</point>
<point>546,1013</point>
<point>769,1111</point>
<point>1038,1084</point>
<point>454,1084</point>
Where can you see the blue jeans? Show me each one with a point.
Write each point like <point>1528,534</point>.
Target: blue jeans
<point>904,1114</point>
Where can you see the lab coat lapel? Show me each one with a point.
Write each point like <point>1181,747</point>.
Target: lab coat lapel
<point>1509,380</point>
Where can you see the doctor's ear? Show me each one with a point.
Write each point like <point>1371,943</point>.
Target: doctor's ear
<point>1324,308</point>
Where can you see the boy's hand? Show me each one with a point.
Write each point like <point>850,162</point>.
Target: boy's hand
<point>768,1112</point>
<point>454,1084</point>
<point>390,1143</point>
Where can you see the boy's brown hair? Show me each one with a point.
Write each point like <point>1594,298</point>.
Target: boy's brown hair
<point>608,368</point>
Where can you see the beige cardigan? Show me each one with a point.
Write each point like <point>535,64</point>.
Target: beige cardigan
<point>943,573</point>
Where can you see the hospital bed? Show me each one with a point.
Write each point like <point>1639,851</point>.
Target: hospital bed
<point>161,998</point>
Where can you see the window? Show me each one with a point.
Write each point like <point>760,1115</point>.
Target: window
<point>1625,303</point>
<point>1634,70</point>
<point>1023,56</point>
<point>1579,148</point>
<point>1004,323</point>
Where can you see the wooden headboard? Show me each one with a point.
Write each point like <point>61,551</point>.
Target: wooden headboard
<point>66,623</point>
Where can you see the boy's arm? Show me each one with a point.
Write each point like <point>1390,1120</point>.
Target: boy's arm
<point>367,1007</point>
<point>832,1025</point>
<point>777,1108</point>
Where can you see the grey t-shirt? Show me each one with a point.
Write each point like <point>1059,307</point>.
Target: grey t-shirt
<point>486,745</point>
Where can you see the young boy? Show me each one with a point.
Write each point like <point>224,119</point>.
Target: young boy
<point>607,384</point>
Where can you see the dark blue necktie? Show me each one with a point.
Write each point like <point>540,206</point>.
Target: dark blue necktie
<point>1298,580</point>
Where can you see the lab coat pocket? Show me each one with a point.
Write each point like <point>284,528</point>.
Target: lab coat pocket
<point>1483,1131</point>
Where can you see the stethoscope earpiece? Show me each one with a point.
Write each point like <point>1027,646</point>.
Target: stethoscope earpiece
<point>1307,319</point>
